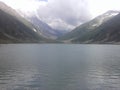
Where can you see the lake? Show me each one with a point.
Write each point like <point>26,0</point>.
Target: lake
<point>59,67</point>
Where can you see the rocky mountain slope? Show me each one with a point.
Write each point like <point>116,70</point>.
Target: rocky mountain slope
<point>14,28</point>
<point>98,30</point>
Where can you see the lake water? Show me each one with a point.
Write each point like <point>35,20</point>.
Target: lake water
<point>59,67</point>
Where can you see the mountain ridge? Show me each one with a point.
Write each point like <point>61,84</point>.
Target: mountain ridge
<point>14,28</point>
<point>42,27</point>
<point>85,32</point>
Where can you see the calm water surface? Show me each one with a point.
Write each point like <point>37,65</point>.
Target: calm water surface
<point>59,67</point>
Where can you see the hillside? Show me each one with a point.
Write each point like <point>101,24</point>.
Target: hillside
<point>14,28</point>
<point>95,31</point>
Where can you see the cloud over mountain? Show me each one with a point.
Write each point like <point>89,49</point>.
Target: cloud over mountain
<point>64,14</point>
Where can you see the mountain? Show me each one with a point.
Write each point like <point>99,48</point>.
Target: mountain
<point>109,32</point>
<point>19,28</point>
<point>14,28</point>
<point>44,29</point>
<point>85,32</point>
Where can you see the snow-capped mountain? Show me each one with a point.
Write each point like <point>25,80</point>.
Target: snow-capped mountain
<point>81,30</point>
<point>102,18</point>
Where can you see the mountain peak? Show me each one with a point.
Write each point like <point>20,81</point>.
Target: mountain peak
<point>111,13</point>
<point>103,18</point>
<point>90,26</point>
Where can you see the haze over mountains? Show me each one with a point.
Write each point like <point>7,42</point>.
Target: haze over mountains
<point>43,28</point>
<point>19,28</point>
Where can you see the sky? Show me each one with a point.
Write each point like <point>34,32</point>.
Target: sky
<point>64,14</point>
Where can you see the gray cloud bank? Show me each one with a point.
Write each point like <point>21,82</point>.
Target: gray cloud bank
<point>64,14</point>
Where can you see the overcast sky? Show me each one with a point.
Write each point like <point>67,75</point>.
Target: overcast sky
<point>64,14</point>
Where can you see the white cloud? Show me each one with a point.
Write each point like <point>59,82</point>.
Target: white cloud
<point>64,14</point>
<point>22,4</point>
<point>74,12</point>
<point>97,7</point>
<point>60,24</point>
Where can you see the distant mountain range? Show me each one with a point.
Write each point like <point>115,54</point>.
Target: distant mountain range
<point>19,28</point>
<point>103,29</point>
<point>44,29</point>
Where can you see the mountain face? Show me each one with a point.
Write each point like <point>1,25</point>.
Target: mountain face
<point>94,30</point>
<point>14,28</point>
<point>42,28</point>
<point>109,32</point>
